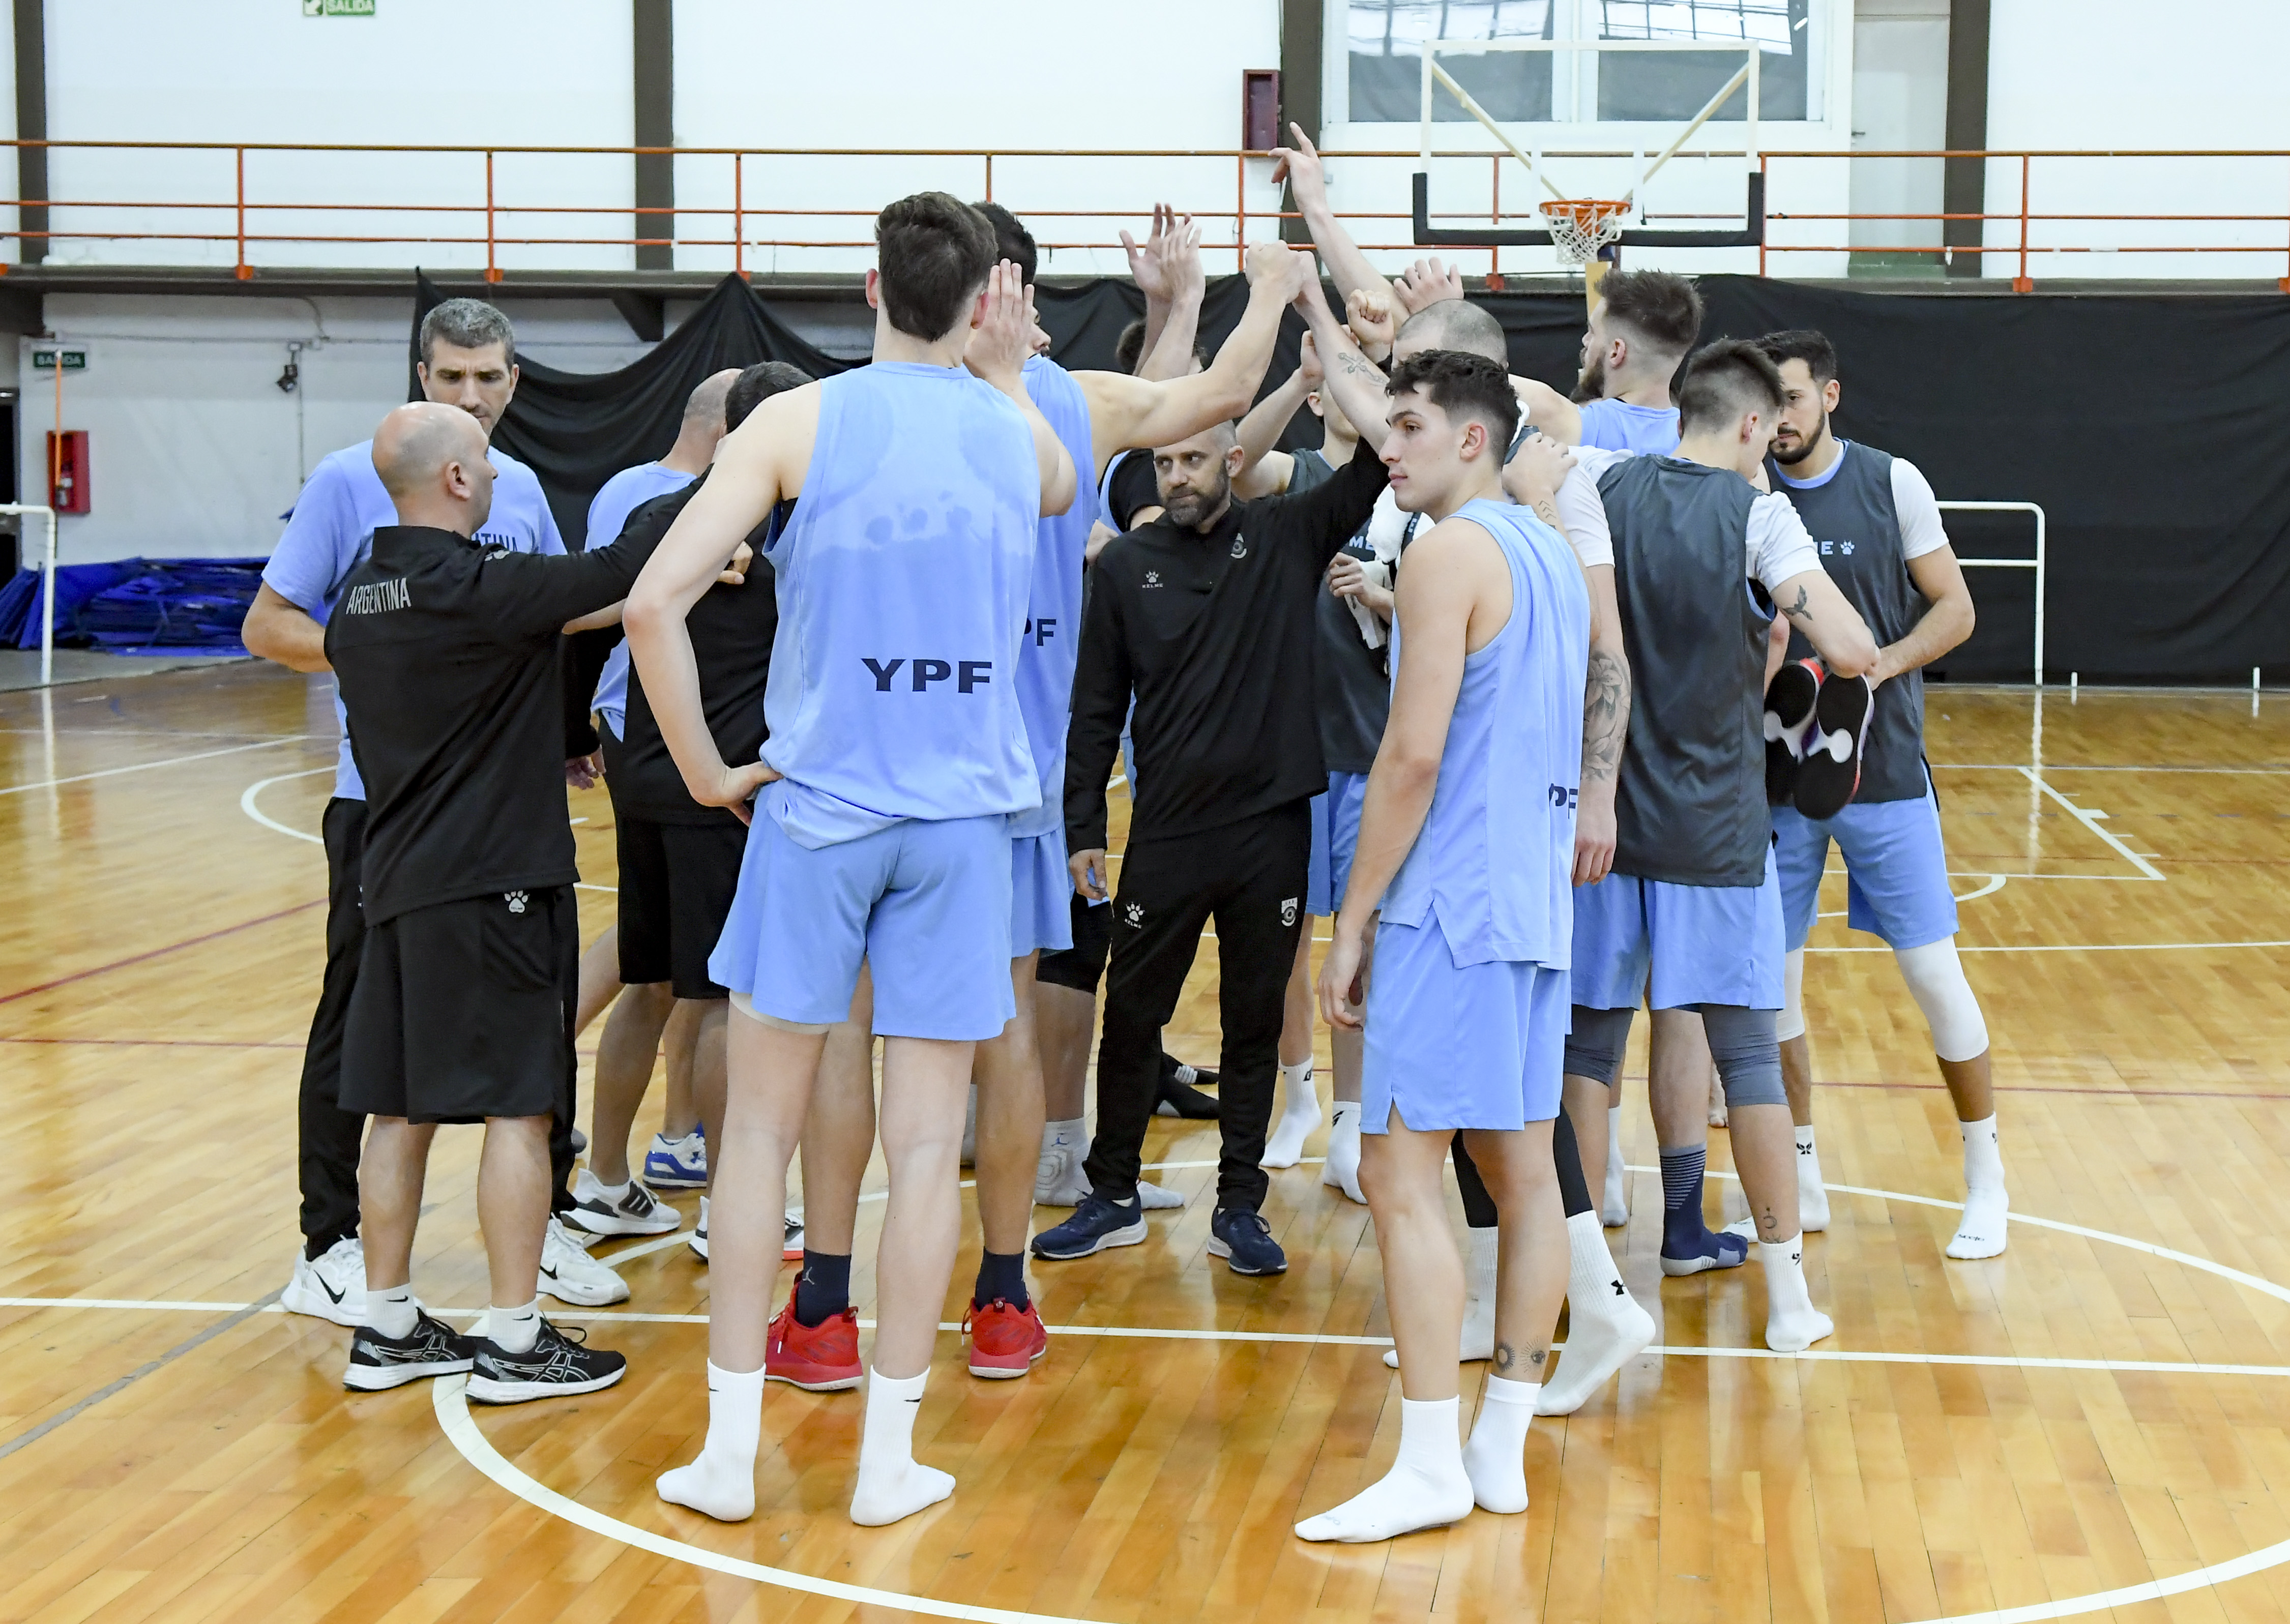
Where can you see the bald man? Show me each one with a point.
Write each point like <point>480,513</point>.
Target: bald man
<point>445,651</point>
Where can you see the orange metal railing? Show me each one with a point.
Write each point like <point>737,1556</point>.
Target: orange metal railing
<point>252,219</point>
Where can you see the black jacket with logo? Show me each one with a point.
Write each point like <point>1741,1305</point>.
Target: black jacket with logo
<point>445,653</point>
<point>1215,635</point>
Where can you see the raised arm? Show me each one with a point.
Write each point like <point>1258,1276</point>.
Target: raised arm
<point>757,466</point>
<point>1300,165</point>
<point>1126,414</point>
<point>1168,270</point>
<point>998,354</point>
<point>1548,409</point>
<point>1436,590</point>
<point>1263,470</point>
<point>1354,381</point>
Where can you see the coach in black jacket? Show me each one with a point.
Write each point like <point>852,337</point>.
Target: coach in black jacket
<point>445,652</point>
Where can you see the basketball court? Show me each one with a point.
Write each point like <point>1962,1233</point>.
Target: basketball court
<point>2093,1425</point>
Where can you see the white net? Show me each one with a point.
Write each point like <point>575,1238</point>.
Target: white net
<point>1580,226</point>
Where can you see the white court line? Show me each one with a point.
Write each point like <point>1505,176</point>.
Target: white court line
<point>2090,947</point>
<point>450,1401</point>
<point>1994,884</point>
<point>2014,766</point>
<point>147,766</point>
<point>2090,822</point>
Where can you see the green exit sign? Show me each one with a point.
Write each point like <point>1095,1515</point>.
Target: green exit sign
<point>337,8</point>
<point>73,360</point>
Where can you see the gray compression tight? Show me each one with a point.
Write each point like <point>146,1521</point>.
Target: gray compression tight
<point>1741,1041</point>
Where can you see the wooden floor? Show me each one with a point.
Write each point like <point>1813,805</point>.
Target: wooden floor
<point>2101,1409</point>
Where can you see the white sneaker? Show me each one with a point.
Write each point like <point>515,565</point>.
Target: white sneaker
<point>635,1211</point>
<point>792,1243</point>
<point>698,1239</point>
<point>677,1163</point>
<point>571,1275</point>
<point>331,1286</point>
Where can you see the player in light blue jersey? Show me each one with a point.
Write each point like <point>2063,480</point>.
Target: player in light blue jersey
<point>1467,845</point>
<point>1095,415</point>
<point>896,753</point>
<point>467,360</point>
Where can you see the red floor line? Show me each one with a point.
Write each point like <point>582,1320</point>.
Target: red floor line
<point>137,958</point>
<point>160,1043</point>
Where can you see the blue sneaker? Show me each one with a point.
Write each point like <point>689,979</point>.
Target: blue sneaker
<point>1245,1240</point>
<point>1096,1224</point>
<point>677,1164</point>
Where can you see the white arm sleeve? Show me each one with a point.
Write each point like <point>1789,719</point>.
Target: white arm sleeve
<point>1921,530</point>
<point>1582,515</point>
<point>1780,546</point>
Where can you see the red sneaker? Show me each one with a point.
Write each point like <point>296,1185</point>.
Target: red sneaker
<point>821,1358</point>
<point>1004,1341</point>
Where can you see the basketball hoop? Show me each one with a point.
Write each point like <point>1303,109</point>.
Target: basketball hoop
<point>1581,226</point>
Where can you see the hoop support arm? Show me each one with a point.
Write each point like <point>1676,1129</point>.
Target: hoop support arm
<point>1751,233</point>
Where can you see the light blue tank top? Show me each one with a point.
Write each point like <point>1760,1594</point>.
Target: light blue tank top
<point>1617,425</point>
<point>902,584</point>
<point>1046,665</point>
<point>1494,863</point>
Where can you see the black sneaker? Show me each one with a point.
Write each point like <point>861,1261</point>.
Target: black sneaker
<point>1831,775</point>
<point>1790,702</point>
<point>1096,1224</point>
<point>556,1366</point>
<point>431,1348</point>
<point>1245,1240</point>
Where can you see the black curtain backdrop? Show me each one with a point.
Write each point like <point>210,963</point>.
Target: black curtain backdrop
<point>2150,429</point>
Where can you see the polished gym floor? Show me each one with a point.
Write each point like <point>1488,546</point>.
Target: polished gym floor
<point>2092,1425</point>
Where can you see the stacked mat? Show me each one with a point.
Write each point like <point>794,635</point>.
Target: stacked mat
<point>137,605</point>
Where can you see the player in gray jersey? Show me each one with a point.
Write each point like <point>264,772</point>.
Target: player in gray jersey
<point>1879,531</point>
<point>1693,883</point>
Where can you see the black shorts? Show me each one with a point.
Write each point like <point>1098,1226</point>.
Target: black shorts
<point>1081,966</point>
<point>676,884</point>
<point>463,1010</point>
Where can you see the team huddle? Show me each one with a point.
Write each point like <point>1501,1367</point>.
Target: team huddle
<point>1552,702</point>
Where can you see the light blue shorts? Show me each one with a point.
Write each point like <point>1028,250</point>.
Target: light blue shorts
<point>1695,944</point>
<point>1895,869</point>
<point>1450,1046</point>
<point>1336,841</point>
<point>1041,895</point>
<point>927,904</point>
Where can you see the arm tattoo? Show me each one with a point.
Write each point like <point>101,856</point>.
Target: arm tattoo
<point>1798,611</point>
<point>1357,364</point>
<point>1547,510</point>
<point>1605,715</point>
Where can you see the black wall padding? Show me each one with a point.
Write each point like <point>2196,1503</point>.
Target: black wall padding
<point>2153,429</point>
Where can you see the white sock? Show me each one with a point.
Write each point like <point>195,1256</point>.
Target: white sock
<point>1427,1486</point>
<point>721,1483</point>
<point>1495,1459</point>
<point>1285,1145</point>
<point>392,1311</point>
<point>1186,1074</point>
<point>1479,1282</point>
<point>1064,1133</point>
<point>1614,1207</point>
<point>1812,1196</point>
<point>1792,1324</point>
<point>1481,1259</point>
<point>514,1330</point>
<point>1983,1162</point>
<point>1341,1168</point>
<point>1154,1198</point>
<point>1982,1233</point>
<point>892,1483</point>
<point>1605,1326</point>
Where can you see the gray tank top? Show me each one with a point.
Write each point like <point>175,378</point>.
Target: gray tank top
<point>1854,520</point>
<point>1691,806</point>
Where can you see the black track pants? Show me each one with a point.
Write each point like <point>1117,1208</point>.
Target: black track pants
<point>328,1137</point>
<point>1249,878</point>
